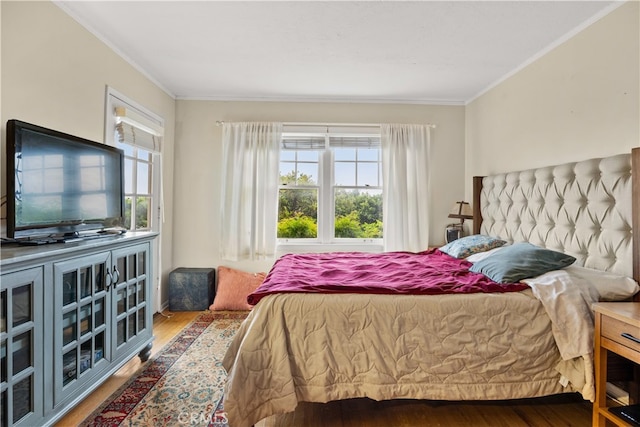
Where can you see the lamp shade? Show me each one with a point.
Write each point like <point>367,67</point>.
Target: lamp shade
<point>461,210</point>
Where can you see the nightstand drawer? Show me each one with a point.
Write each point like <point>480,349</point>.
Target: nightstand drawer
<point>621,332</point>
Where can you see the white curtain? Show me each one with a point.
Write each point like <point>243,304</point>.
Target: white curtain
<point>405,177</point>
<point>249,203</point>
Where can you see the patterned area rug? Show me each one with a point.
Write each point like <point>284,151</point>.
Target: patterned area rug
<point>181,385</point>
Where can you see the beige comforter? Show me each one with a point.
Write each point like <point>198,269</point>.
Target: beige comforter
<point>318,348</point>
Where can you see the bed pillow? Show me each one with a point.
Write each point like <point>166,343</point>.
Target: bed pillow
<point>234,286</point>
<point>610,286</point>
<point>469,245</point>
<point>482,255</point>
<point>520,261</point>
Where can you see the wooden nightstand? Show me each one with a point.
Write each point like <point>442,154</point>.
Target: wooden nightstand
<point>617,330</point>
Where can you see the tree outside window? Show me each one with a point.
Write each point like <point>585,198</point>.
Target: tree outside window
<point>335,180</point>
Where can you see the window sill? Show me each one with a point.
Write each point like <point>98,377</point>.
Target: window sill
<point>304,247</point>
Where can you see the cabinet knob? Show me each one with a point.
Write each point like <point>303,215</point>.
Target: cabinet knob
<point>116,275</point>
<point>108,279</point>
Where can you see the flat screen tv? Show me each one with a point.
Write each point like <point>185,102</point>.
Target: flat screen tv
<point>60,185</point>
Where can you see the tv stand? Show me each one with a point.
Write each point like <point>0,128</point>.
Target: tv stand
<point>74,314</point>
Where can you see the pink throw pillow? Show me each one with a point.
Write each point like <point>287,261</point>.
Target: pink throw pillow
<point>234,286</point>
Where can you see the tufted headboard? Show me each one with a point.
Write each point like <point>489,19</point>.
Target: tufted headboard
<point>587,209</point>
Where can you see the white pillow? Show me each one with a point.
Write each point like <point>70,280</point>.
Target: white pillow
<point>610,286</point>
<point>482,255</point>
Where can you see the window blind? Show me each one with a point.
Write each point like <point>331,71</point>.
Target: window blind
<point>134,129</point>
<point>319,142</point>
<point>303,143</point>
<point>354,142</point>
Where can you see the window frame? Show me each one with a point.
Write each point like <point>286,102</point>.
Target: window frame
<point>135,193</point>
<point>114,99</point>
<point>326,193</point>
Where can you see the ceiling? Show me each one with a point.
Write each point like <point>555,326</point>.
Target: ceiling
<point>432,52</point>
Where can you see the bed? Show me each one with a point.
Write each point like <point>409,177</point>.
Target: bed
<point>533,339</point>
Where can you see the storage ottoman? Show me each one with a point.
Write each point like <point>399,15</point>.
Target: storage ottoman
<point>191,289</point>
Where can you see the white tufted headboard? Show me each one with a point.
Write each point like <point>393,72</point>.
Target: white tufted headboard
<point>585,209</point>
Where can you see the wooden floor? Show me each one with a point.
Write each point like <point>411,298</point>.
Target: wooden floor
<point>567,410</point>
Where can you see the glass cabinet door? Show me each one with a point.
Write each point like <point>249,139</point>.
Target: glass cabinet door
<point>21,349</point>
<point>132,310</point>
<point>81,333</point>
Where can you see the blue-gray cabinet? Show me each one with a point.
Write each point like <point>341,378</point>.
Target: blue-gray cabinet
<point>21,347</point>
<point>71,314</point>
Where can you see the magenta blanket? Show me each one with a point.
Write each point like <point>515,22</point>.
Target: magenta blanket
<point>425,273</point>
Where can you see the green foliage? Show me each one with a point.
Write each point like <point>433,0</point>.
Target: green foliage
<point>127,213</point>
<point>368,206</point>
<point>358,213</point>
<point>348,226</point>
<point>345,203</point>
<point>373,230</point>
<point>142,212</point>
<point>297,201</point>
<point>300,179</point>
<point>297,227</point>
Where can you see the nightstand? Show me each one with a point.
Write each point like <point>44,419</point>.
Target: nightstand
<point>617,330</point>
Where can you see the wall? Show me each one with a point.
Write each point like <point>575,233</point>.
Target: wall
<point>198,163</point>
<point>577,102</point>
<point>54,74</point>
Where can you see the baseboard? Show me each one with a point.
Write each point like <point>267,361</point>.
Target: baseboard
<point>163,307</point>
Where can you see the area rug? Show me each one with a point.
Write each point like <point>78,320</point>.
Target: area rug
<point>181,385</point>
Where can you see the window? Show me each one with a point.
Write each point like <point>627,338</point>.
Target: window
<point>138,169</point>
<point>139,132</point>
<point>330,186</point>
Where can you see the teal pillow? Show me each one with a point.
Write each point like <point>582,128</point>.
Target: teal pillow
<point>469,245</point>
<point>521,261</point>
